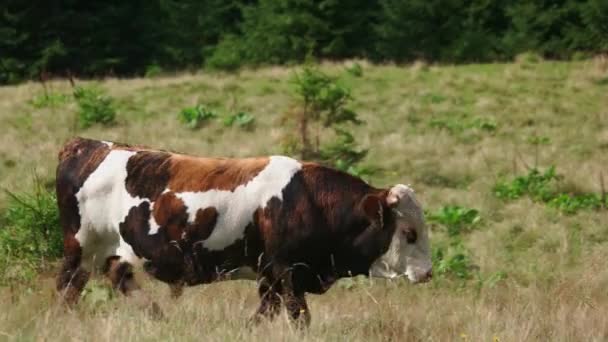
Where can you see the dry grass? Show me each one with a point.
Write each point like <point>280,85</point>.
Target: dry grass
<point>556,281</point>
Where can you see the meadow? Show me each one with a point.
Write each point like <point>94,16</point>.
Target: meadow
<point>508,160</point>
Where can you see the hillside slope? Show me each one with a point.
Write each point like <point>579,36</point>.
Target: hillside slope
<point>535,271</point>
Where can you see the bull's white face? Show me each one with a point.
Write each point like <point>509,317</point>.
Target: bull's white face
<point>409,252</point>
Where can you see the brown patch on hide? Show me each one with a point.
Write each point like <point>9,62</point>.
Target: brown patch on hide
<point>203,224</point>
<point>202,174</point>
<point>170,213</point>
<point>147,174</point>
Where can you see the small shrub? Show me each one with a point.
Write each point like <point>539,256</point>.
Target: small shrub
<point>153,70</point>
<point>241,119</point>
<point>194,117</point>
<point>49,100</point>
<point>355,70</point>
<point>456,219</point>
<point>528,58</point>
<point>94,106</point>
<point>321,104</point>
<point>227,55</point>
<point>31,235</point>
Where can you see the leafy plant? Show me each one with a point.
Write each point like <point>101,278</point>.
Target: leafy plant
<point>453,261</point>
<point>542,187</point>
<point>194,117</point>
<point>456,219</point>
<point>49,100</point>
<point>94,106</point>
<point>240,119</point>
<point>31,235</point>
<point>153,70</point>
<point>571,203</point>
<point>536,184</point>
<point>355,70</point>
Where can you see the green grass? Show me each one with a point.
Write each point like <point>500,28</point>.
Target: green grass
<point>528,271</point>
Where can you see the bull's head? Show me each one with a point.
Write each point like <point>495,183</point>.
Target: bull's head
<point>409,251</point>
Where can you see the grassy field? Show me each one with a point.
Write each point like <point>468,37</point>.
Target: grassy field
<point>452,132</point>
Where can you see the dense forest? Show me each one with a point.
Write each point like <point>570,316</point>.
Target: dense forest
<point>145,36</point>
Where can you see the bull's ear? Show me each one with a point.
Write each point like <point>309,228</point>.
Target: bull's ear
<point>396,193</point>
<point>373,208</point>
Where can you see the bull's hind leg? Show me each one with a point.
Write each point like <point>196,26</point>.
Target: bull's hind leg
<point>270,302</point>
<point>122,277</point>
<point>72,277</point>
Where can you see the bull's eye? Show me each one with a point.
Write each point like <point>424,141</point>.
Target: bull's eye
<point>410,235</point>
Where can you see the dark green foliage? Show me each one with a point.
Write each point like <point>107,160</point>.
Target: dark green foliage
<point>227,55</point>
<point>128,37</point>
<point>30,236</point>
<point>543,187</point>
<point>194,117</point>
<point>440,30</point>
<point>94,106</point>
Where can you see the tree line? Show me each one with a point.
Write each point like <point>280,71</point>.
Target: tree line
<point>133,37</point>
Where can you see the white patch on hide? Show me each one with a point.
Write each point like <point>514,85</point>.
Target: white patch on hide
<point>236,208</point>
<point>109,143</point>
<point>154,227</point>
<point>103,203</point>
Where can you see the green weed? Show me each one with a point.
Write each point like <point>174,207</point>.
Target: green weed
<point>243,120</point>
<point>49,100</point>
<point>94,106</point>
<point>194,117</point>
<point>456,219</point>
<point>460,123</point>
<point>452,261</point>
<point>355,70</point>
<point>542,187</point>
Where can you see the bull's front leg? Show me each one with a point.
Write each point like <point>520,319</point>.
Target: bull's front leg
<point>294,299</point>
<point>122,277</point>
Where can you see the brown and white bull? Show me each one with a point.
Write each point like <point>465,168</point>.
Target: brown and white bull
<point>187,220</point>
